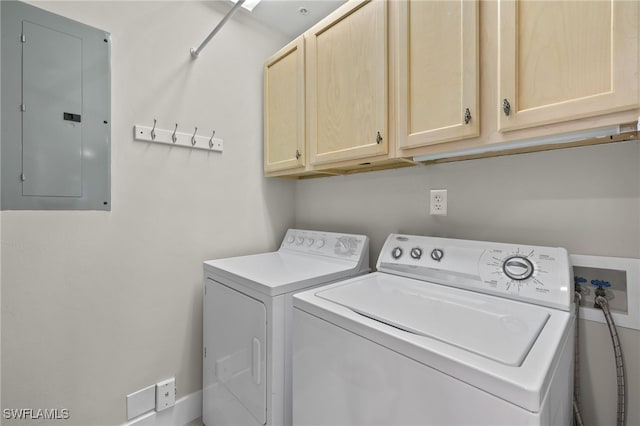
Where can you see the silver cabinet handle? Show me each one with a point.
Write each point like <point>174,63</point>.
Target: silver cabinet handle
<point>467,116</point>
<point>506,107</point>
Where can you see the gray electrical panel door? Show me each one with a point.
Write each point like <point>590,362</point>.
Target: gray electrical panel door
<point>56,111</point>
<point>52,96</point>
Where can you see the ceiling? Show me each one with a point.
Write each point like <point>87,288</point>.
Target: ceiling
<point>284,15</point>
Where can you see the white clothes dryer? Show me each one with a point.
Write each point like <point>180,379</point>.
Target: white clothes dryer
<point>248,311</point>
<point>446,332</point>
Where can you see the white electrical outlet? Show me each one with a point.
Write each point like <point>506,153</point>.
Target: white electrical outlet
<point>438,202</point>
<point>166,394</point>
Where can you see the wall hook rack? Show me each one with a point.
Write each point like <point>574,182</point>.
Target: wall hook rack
<point>173,137</point>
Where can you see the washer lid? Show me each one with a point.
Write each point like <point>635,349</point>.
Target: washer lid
<point>492,327</point>
<point>281,272</point>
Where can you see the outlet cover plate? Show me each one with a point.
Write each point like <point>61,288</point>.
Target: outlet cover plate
<point>141,401</point>
<point>438,202</point>
<point>631,267</point>
<point>165,394</point>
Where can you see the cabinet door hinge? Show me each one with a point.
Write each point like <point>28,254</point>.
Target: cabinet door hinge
<point>22,178</point>
<point>23,38</point>
<point>23,107</point>
<point>378,138</point>
<point>205,351</point>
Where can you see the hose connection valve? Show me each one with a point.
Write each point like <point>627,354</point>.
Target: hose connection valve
<point>601,285</point>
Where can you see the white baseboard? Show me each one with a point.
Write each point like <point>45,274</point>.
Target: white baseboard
<point>187,409</point>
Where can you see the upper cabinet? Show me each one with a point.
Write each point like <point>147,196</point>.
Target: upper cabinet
<point>391,82</point>
<point>437,53</point>
<point>347,84</point>
<point>563,60</point>
<point>284,106</point>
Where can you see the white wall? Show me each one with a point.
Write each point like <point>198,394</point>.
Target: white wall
<point>584,199</point>
<point>96,305</point>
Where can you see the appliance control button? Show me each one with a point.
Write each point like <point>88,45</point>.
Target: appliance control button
<point>320,243</point>
<point>416,253</point>
<point>299,240</point>
<point>518,268</point>
<point>437,254</point>
<point>396,253</point>
<point>291,239</point>
<point>310,241</point>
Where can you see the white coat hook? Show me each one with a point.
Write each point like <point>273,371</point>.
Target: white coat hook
<point>174,138</point>
<point>193,137</point>
<point>211,139</point>
<point>153,130</point>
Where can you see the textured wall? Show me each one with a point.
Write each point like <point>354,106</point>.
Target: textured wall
<point>96,305</point>
<point>584,199</point>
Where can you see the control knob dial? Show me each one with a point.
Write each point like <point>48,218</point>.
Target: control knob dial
<point>518,268</point>
<point>437,254</point>
<point>416,253</point>
<point>396,253</point>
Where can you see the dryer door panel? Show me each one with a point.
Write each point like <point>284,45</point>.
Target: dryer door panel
<point>235,331</point>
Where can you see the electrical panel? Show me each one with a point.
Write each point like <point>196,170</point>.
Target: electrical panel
<point>56,112</point>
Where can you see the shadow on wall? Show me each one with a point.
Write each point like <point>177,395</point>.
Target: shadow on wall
<point>584,199</point>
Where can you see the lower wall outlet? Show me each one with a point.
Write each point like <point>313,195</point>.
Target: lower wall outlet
<point>165,394</point>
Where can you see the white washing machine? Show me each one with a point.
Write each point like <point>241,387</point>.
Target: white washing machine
<point>247,322</point>
<point>447,332</point>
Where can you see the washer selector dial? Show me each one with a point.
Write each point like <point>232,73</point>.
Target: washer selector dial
<point>416,253</point>
<point>437,254</point>
<point>396,253</point>
<point>518,268</point>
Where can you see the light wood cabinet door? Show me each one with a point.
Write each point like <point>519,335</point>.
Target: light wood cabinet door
<point>347,83</point>
<point>284,120</point>
<point>437,71</point>
<point>562,60</point>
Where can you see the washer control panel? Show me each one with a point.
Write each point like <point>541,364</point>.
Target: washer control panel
<point>343,246</point>
<point>534,274</point>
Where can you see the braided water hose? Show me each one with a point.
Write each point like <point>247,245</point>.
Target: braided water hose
<point>617,349</point>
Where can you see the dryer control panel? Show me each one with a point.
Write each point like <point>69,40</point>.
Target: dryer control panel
<point>533,274</point>
<point>342,246</point>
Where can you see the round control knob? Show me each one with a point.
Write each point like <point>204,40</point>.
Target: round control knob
<point>396,253</point>
<point>291,239</point>
<point>437,254</point>
<point>310,241</point>
<point>300,240</point>
<point>416,253</point>
<point>320,243</point>
<point>518,268</point>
